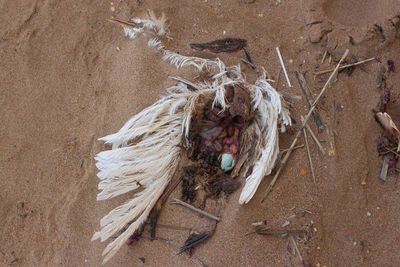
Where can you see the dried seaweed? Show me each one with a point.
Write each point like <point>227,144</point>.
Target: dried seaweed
<point>222,45</point>
<point>188,184</point>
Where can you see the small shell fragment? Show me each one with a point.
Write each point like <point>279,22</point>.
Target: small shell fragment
<point>386,121</point>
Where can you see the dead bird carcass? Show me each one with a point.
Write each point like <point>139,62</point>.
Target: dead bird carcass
<point>238,122</point>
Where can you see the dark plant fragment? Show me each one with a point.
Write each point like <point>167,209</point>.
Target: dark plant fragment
<point>188,184</point>
<point>193,241</point>
<point>390,65</point>
<point>223,45</point>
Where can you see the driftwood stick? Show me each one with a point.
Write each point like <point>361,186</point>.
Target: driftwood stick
<point>202,212</point>
<point>308,151</point>
<point>285,159</point>
<point>314,137</point>
<point>346,66</point>
<point>310,99</point>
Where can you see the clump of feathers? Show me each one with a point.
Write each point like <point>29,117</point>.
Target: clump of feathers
<point>146,150</point>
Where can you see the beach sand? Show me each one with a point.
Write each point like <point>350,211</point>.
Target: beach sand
<point>69,77</point>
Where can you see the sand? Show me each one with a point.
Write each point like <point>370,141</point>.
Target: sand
<point>69,77</point>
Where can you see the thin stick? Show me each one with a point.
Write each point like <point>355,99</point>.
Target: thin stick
<point>249,58</point>
<point>179,79</point>
<point>287,149</point>
<point>310,99</point>
<point>315,139</point>
<point>346,66</point>
<point>285,159</point>
<point>202,212</point>
<point>248,62</point>
<point>283,66</point>
<point>200,262</point>
<point>308,151</point>
<point>296,248</point>
<point>324,56</point>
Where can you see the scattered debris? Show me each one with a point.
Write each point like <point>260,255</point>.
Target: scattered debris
<point>287,149</point>
<point>192,241</point>
<point>296,248</point>
<point>188,184</point>
<point>387,123</point>
<point>354,241</point>
<point>224,183</point>
<point>345,66</point>
<point>197,238</point>
<point>200,262</point>
<point>385,168</point>
<point>259,223</point>
<point>264,230</point>
<point>390,66</point>
<point>314,137</point>
<point>331,142</point>
<point>283,163</point>
<point>249,58</point>
<point>310,100</point>
<point>249,63</point>
<point>222,45</point>
<point>308,151</point>
<point>324,56</point>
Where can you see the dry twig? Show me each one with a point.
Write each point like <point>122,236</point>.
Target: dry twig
<point>202,212</point>
<point>346,66</point>
<point>310,99</point>
<point>314,137</point>
<point>287,149</point>
<point>296,248</point>
<point>248,62</point>
<point>308,151</point>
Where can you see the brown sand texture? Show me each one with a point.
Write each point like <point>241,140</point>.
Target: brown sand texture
<point>69,77</point>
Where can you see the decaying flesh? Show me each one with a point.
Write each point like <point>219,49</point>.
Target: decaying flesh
<point>216,132</point>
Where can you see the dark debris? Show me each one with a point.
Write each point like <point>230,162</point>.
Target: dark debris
<point>222,45</point>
